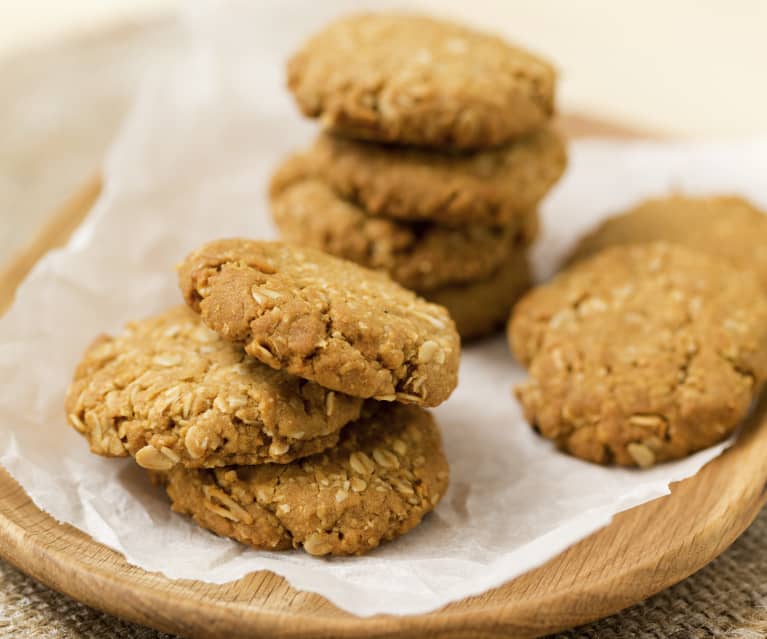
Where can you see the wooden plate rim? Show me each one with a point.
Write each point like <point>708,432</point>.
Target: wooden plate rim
<point>151,593</point>
<point>154,600</point>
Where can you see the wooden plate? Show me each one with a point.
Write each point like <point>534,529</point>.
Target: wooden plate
<point>643,550</point>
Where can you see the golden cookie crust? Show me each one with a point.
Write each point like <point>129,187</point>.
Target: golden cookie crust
<point>421,257</point>
<point>642,353</point>
<point>491,187</point>
<point>346,327</point>
<point>727,226</point>
<point>386,473</point>
<point>482,307</point>
<point>170,391</point>
<point>411,79</point>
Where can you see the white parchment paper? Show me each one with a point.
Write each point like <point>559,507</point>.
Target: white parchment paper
<point>190,165</point>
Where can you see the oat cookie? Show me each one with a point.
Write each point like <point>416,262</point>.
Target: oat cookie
<point>727,226</point>
<point>480,308</point>
<point>348,328</point>
<point>170,391</point>
<point>491,187</point>
<point>642,353</point>
<point>419,256</point>
<point>416,80</point>
<point>386,473</point>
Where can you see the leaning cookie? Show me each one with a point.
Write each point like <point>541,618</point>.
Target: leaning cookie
<point>348,328</point>
<point>490,187</point>
<point>414,80</point>
<point>642,353</point>
<point>482,307</point>
<point>386,473</point>
<point>727,226</point>
<point>419,256</point>
<point>170,391</point>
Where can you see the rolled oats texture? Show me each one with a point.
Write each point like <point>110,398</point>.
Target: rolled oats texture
<point>641,354</point>
<point>169,390</point>
<point>420,256</point>
<point>315,316</point>
<point>488,187</point>
<point>416,80</point>
<point>387,471</point>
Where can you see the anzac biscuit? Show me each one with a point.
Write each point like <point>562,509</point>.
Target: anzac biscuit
<point>346,327</point>
<point>642,353</point>
<point>414,80</point>
<point>386,473</point>
<point>419,256</point>
<point>727,226</point>
<point>491,187</point>
<point>170,391</point>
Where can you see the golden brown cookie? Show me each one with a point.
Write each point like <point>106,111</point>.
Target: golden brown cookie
<point>727,226</point>
<point>642,353</point>
<point>491,187</point>
<point>482,307</point>
<point>170,391</point>
<point>348,328</point>
<point>386,473</point>
<point>416,80</point>
<point>418,256</point>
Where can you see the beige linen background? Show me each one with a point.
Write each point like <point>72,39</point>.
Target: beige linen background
<point>688,66</point>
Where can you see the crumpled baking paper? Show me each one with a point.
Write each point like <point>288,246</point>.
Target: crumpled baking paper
<point>190,165</point>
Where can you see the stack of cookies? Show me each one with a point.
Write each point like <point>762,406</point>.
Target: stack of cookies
<point>282,406</point>
<point>652,343</point>
<point>437,148</point>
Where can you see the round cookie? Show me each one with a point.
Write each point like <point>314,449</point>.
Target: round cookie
<point>170,391</point>
<point>727,226</point>
<point>346,327</point>
<point>415,80</point>
<point>642,353</point>
<point>386,473</point>
<point>491,187</point>
<point>418,256</point>
<point>480,308</point>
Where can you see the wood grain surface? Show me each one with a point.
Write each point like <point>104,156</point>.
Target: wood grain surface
<point>643,550</point>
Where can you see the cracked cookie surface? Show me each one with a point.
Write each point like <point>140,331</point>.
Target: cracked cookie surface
<point>727,226</point>
<point>415,80</point>
<point>346,327</point>
<point>386,473</point>
<point>481,307</point>
<point>490,187</point>
<point>170,391</point>
<point>421,257</point>
<point>642,353</point>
